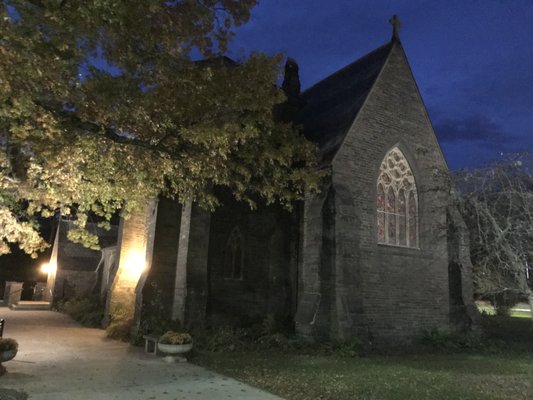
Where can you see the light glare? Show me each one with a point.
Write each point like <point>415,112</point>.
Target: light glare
<point>134,266</point>
<point>46,268</point>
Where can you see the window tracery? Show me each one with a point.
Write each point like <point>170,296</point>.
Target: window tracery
<point>396,202</point>
<point>234,255</point>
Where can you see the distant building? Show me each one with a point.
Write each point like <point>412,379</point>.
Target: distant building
<point>76,271</point>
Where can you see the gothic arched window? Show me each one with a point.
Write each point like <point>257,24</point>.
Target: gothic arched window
<point>234,255</point>
<point>396,202</point>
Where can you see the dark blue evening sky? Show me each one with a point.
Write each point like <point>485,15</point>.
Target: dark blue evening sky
<point>472,59</point>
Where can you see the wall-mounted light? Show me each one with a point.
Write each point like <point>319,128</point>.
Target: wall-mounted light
<point>134,265</point>
<point>49,267</point>
<point>46,268</point>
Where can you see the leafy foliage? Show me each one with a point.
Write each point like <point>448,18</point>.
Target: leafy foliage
<point>155,313</point>
<point>103,106</point>
<point>87,311</point>
<point>511,330</point>
<point>120,330</point>
<point>172,337</point>
<point>270,335</point>
<point>438,340</point>
<point>121,324</point>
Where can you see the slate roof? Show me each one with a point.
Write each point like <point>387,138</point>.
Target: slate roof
<point>331,106</point>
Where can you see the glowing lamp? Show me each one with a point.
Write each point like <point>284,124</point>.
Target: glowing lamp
<point>46,268</point>
<point>134,265</point>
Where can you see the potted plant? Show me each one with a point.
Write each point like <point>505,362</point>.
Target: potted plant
<point>175,342</point>
<point>8,350</point>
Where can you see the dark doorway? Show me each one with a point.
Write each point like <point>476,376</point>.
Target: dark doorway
<point>28,288</point>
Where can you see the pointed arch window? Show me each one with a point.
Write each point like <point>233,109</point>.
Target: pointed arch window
<point>396,202</point>
<point>234,255</point>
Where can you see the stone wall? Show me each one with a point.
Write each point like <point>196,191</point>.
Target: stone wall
<point>159,286</point>
<point>71,284</point>
<point>135,249</point>
<point>324,256</point>
<point>389,294</point>
<point>176,286</point>
<point>74,267</point>
<point>270,261</point>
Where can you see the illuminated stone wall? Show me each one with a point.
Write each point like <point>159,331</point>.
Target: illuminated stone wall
<point>51,269</point>
<point>135,247</point>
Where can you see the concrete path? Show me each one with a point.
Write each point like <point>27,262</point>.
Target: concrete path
<point>60,360</point>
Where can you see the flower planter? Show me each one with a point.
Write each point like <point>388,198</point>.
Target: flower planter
<point>174,348</point>
<point>174,351</point>
<point>7,355</point>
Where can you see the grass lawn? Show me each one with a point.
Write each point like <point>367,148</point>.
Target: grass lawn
<point>520,314</point>
<point>520,310</point>
<point>507,374</point>
<point>430,377</point>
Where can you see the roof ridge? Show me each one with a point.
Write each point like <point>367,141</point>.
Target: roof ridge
<point>390,43</point>
<point>332,105</point>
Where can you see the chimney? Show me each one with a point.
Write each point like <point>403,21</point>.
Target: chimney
<point>291,81</point>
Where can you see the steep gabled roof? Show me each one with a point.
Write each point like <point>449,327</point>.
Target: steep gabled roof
<point>331,106</point>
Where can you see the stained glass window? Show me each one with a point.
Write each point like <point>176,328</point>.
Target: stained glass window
<point>413,218</point>
<point>397,202</point>
<point>381,213</point>
<point>390,215</point>
<point>233,256</point>
<point>402,216</point>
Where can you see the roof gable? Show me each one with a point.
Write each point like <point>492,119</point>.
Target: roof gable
<point>331,106</point>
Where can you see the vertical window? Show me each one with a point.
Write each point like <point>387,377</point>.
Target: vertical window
<point>397,202</point>
<point>381,213</point>
<point>412,227</point>
<point>233,255</point>
<point>390,216</point>
<point>402,218</point>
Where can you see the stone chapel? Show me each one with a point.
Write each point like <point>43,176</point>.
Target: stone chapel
<point>381,253</point>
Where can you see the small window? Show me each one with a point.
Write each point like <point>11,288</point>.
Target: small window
<point>234,255</point>
<point>396,202</point>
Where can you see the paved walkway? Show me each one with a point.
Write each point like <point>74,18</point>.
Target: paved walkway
<point>60,360</point>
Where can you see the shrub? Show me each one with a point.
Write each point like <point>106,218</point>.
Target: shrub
<point>8,344</point>
<point>347,348</point>
<point>267,337</point>
<point>274,341</point>
<point>465,342</point>
<point>154,315</point>
<point>120,330</point>
<point>504,301</point>
<point>224,339</point>
<point>171,337</point>
<point>158,326</point>
<point>437,339</point>
<point>508,329</point>
<point>86,310</point>
<point>270,326</point>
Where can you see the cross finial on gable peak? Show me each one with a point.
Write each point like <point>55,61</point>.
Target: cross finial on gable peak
<point>396,25</point>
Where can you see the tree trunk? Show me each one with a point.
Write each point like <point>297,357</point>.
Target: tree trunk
<point>525,289</point>
<point>530,301</point>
